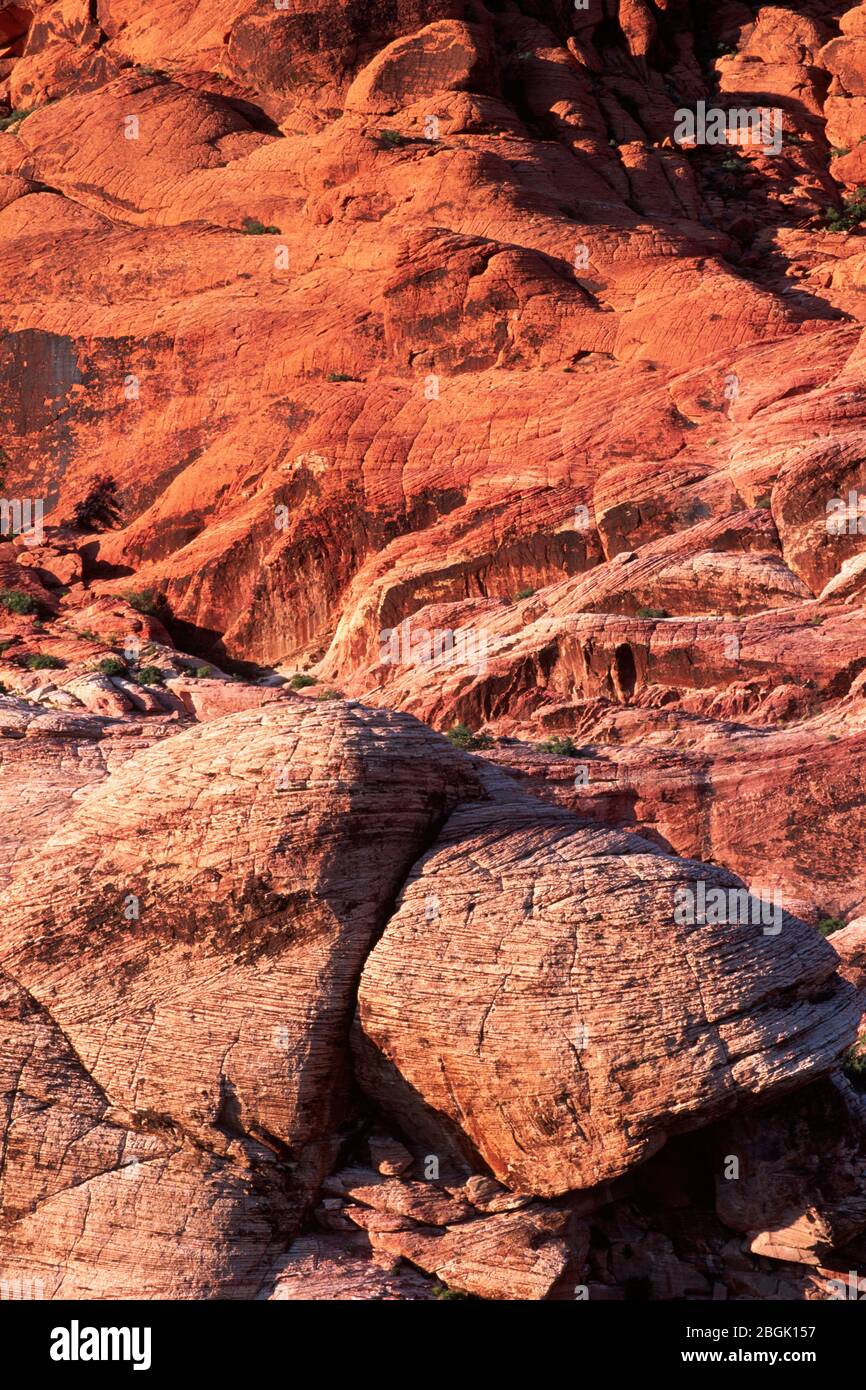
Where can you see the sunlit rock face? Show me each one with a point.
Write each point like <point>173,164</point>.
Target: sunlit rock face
<point>376,371</point>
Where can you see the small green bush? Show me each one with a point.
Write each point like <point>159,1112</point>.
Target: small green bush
<point>524,593</point>
<point>651,613</point>
<point>330,695</point>
<point>827,925</point>
<point>251,226</point>
<point>41,661</point>
<point>444,1294</point>
<point>203,672</point>
<point>341,376</point>
<point>150,675</point>
<point>111,666</point>
<point>563,747</point>
<point>461,736</point>
<point>16,601</point>
<point>851,214</point>
<point>392,138</point>
<point>142,600</point>
<point>300,681</point>
<point>12,121</point>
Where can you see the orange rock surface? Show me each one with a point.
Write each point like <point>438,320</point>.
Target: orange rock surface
<point>371,372</point>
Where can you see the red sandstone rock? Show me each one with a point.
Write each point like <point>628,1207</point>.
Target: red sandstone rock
<point>394,323</point>
<point>507,1038</point>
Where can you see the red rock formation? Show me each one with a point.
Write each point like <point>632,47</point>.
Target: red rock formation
<point>433,376</point>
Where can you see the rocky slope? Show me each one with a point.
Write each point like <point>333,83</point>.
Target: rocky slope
<point>383,370</point>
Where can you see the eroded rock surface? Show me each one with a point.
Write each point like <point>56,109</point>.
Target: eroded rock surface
<point>196,928</point>
<point>536,1001</point>
<point>397,363</point>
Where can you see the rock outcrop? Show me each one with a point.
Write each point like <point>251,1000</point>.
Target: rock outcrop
<point>375,372</point>
<point>539,1001</point>
<point>213,901</point>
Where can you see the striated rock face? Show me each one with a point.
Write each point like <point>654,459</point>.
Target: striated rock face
<point>94,1207</point>
<point>369,369</point>
<point>538,989</point>
<point>213,901</point>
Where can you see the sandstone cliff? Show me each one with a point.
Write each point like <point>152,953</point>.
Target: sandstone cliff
<point>373,372</point>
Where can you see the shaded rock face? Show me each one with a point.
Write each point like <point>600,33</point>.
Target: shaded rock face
<point>382,367</point>
<point>794,1201</point>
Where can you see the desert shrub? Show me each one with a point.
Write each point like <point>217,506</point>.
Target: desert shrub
<point>341,376</point>
<point>16,601</point>
<point>651,613</point>
<point>850,215</point>
<point>111,666</point>
<point>41,661</point>
<point>150,675</point>
<point>392,138</point>
<point>100,509</point>
<point>202,672</point>
<point>142,600</point>
<point>461,736</point>
<point>12,121</point>
<point>300,681</point>
<point>563,747</point>
<point>251,226</point>
<point>330,695</point>
<point>827,925</point>
<point>524,593</point>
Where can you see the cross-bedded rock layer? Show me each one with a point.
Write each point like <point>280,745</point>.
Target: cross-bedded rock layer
<point>377,325</point>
